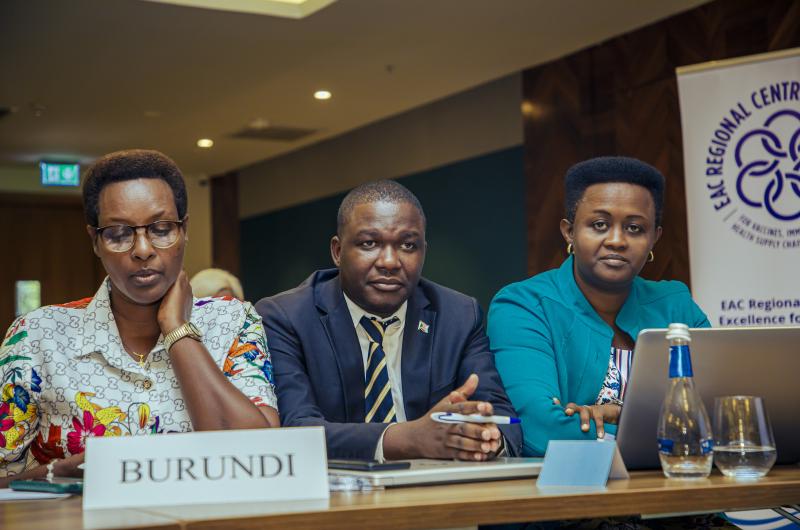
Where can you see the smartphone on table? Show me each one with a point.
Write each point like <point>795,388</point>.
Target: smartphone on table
<point>367,465</point>
<point>56,485</point>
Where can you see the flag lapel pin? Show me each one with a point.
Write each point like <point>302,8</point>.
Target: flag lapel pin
<point>423,327</point>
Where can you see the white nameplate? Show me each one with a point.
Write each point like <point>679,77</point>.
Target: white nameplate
<point>581,463</point>
<point>206,467</point>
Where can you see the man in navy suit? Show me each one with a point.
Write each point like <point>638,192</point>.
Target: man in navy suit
<point>370,349</point>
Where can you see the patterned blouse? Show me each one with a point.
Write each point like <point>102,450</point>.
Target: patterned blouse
<point>66,377</point>
<point>616,382</point>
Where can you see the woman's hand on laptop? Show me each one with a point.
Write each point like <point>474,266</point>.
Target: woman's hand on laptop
<point>600,414</point>
<point>425,438</point>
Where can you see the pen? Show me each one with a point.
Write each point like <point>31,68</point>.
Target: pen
<point>450,417</point>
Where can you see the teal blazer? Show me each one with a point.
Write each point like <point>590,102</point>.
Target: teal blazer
<point>549,342</point>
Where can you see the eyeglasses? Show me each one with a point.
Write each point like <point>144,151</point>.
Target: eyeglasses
<point>121,238</point>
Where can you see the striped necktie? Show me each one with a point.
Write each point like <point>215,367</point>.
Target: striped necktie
<point>378,391</point>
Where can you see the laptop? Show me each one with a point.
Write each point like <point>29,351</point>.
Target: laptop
<point>726,361</point>
<point>429,472</point>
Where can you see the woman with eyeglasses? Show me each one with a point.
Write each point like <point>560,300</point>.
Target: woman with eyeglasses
<point>142,356</point>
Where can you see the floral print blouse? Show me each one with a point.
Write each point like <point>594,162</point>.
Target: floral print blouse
<point>616,381</point>
<point>66,377</point>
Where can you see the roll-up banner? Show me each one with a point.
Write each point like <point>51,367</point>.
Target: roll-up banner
<point>741,146</point>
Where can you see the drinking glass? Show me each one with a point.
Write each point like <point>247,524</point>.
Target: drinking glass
<point>744,447</point>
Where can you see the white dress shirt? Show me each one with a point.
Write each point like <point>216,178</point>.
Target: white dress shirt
<point>392,348</point>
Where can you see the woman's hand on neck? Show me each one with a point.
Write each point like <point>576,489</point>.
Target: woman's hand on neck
<point>175,309</point>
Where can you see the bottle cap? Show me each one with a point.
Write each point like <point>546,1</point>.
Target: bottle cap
<point>678,331</point>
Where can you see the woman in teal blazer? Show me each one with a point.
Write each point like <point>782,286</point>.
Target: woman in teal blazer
<point>563,339</point>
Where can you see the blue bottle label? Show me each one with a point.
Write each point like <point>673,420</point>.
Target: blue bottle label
<point>680,362</point>
<point>665,446</point>
<point>707,446</point>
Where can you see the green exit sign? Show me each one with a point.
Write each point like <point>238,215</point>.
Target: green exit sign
<point>54,174</point>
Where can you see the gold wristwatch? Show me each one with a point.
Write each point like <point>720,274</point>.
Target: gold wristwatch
<point>186,330</point>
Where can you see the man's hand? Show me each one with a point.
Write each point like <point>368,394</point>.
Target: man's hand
<point>176,306</point>
<point>600,414</point>
<point>425,438</point>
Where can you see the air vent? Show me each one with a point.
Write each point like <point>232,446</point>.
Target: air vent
<point>277,133</point>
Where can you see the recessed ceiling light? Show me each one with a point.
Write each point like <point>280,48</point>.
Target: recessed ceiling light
<point>322,94</point>
<point>205,143</point>
<point>532,110</point>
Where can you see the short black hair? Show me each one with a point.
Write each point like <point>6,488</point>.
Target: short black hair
<point>131,164</point>
<point>612,169</point>
<point>377,191</point>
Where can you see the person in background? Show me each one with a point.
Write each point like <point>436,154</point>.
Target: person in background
<point>139,357</point>
<point>216,282</point>
<point>370,349</point>
<point>563,339</point>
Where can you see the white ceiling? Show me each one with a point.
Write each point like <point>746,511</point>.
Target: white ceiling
<point>112,74</point>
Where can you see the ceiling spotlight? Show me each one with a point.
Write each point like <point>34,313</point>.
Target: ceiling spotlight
<point>532,110</point>
<point>205,143</point>
<point>322,94</point>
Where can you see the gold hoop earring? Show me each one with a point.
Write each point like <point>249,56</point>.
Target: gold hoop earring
<point>569,248</point>
<point>651,257</point>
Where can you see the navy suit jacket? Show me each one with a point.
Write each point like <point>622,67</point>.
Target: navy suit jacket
<point>319,369</point>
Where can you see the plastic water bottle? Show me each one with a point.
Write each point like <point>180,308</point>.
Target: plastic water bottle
<point>685,439</point>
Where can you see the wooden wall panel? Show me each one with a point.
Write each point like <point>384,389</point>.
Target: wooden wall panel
<point>621,98</point>
<point>46,240</point>
<point>557,130</point>
<point>225,229</point>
